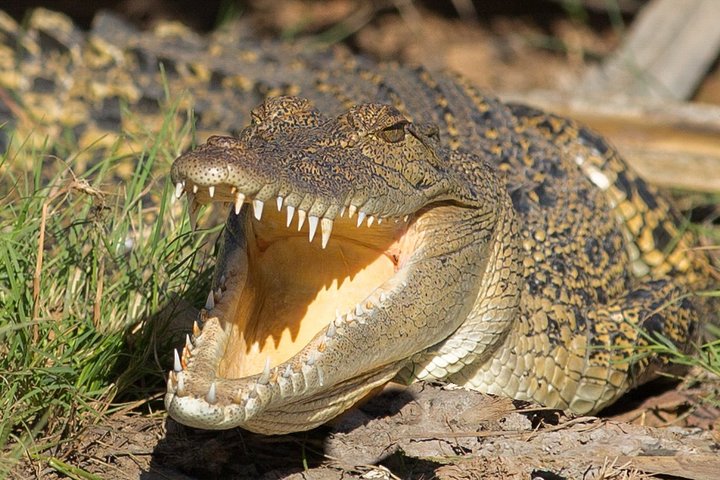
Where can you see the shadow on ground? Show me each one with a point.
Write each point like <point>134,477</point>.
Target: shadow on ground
<point>191,453</point>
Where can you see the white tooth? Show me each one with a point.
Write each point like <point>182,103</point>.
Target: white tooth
<point>239,200</point>
<point>301,218</point>
<point>290,215</point>
<point>188,342</point>
<point>265,377</point>
<point>311,359</point>
<point>210,302</point>
<point>195,188</point>
<point>313,223</point>
<point>218,294</point>
<point>371,219</point>
<point>361,218</point>
<point>279,202</point>
<point>383,296</point>
<point>211,395</point>
<point>211,191</point>
<point>358,310</point>
<point>222,281</point>
<point>179,189</point>
<point>330,332</point>
<point>326,226</point>
<point>351,211</point>
<point>177,364</point>
<point>342,211</point>
<point>196,330</point>
<point>406,218</point>
<point>287,372</point>
<point>258,208</point>
<point>380,220</point>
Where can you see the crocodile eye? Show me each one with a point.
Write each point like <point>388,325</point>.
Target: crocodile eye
<point>393,134</point>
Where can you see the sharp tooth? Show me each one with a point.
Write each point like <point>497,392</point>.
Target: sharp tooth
<point>311,359</point>
<point>222,281</point>
<point>342,211</point>
<point>301,218</point>
<point>290,215</point>
<point>371,219</point>
<point>351,211</point>
<point>265,377</point>
<point>326,226</point>
<point>195,188</point>
<point>313,223</point>
<point>258,208</point>
<point>380,220</point>
<point>212,395</point>
<point>288,372</point>
<point>211,191</point>
<point>406,218</point>
<point>177,364</point>
<point>188,342</point>
<point>196,329</point>
<point>383,296</point>
<point>218,294</point>
<point>361,218</point>
<point>279,202</point>
<point>179,189</point>
<point>239,200</point>
<point>358,310</point>
<point>210,302</point>
<point>331,330</point>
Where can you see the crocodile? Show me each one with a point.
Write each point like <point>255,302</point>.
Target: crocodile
<point>418,228</point>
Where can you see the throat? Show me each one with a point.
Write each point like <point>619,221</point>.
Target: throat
<point>294,289</point>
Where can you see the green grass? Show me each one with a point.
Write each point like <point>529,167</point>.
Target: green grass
<point>86,259</point>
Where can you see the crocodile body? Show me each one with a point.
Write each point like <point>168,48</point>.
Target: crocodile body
<point>451,236</point>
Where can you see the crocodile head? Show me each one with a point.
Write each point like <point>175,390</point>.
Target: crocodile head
<point>372,262</point>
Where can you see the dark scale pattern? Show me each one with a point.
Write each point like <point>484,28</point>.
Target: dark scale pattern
<point>602,261</point>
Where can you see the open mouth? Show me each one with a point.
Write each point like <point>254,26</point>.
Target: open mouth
<point>285,283</point>
<point>296,275</point>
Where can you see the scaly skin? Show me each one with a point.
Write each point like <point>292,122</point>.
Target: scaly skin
<point>507,250</point>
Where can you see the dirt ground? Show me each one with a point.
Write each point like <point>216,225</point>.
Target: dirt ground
<point>418,432</point>
<point>430,431</point>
